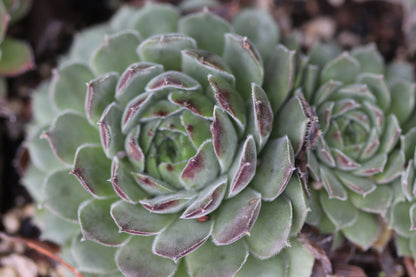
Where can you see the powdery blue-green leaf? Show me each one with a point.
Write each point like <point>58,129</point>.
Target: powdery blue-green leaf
<point>100,93</point>
<point>92,257</point>
<point>274,266</point>
<point>156,19</point>
<point>276,168</point>
<point>372,166</point>
<point>323,53</point>
<point>341,213</point>
<point>344,68</point>
<point>364,231</point>
<point>279,76</point>
<point>207,29</point>
<point>294,192</point>
<point>136,259</point>
<point>136,220</point>
<point>165,49</point>
<point>63,194</point>
<point>220,261</point>
<point>270,233</point>
<point>64,139</point>
<point>16,57</point>
<point>236,217</point>
<point>97,225</point>
<point>33,182</point>
<point>244,167</point>
<point>208,200</point>
<point>408,143</point>
<point>201,168</point>
<point>92,168</point>
<point>181,238</point>
<point>399,71</point>
<point>68,89</point>
<point>244,61</point>
<point>109,58</point>
<point>260,28</point>
<point>403,246</point>
<point>299,260</point>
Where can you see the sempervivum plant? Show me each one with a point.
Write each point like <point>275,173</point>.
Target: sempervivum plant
<point>349,111</point>
<point>172,169</point>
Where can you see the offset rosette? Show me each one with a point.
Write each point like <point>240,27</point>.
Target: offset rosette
<point>171,146</point>
<point>345,123</point>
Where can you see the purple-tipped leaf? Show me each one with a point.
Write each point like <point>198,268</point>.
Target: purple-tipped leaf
<point>208,200</point>
<point>243,168</point>
<point>168,204</point>
<point>112,140</point>
<point>201,168</point>
<point>236,217</point>
<point>181,238</point>
<point>151,185</point>
<point>100,93</point>
<point>136,220</point>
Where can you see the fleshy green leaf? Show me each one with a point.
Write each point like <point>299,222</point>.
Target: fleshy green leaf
<point>300,206</point>
<point>64,139</point>
<point>63,194</point>
<point>260,28</point>
<point>92,168</point>
<point>181,238</point>
<point>344,68</point>
<point>270,233</point>
<point>403,100</point>
<point>236,217</point>
<point>136,220</point>
<point>109,58</point>
<point>100,93</point>
<point>136,259</point>
<point>93,257</point>
<point>207,29</point>
<point>275,169</point>
<point>156,19</point>
<point>96,225</point>
<point>245,62</point>
<point>279,76</point>
<point>341,213</point>
<point>112,140</point>
<point>364,231</point>
<point>220,261</point>
<point>377,201</point>
<point>68,89</point>
<point>275,266</point>
<point>165,49</point>
<point>369,59</point>
<point>299,260</point>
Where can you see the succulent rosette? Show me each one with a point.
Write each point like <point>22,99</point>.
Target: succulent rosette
<point>348,112</point>
<point>172,168</point>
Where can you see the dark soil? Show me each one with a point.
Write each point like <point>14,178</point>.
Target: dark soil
<point>49,28</point>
